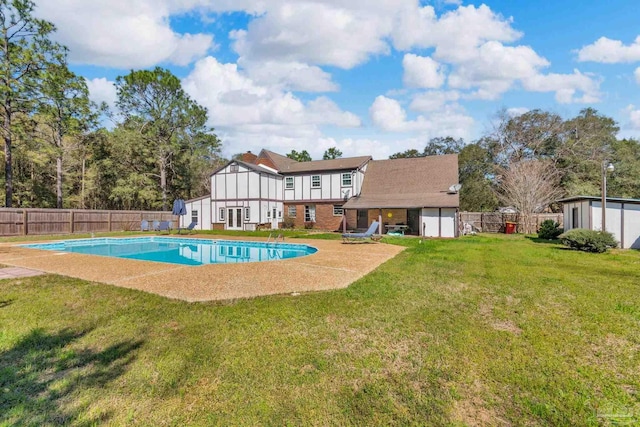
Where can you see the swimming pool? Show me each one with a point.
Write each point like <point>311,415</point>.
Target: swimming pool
<point>179,251</point>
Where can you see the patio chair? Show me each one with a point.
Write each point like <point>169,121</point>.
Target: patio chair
<point>189,227</point>
<point>352,237</point>
<point>164,226</point>
<point>144,225</point>
<point>155,225</point>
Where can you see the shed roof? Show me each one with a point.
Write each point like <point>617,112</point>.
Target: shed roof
<point>597,199</point>
<point>409,183</point>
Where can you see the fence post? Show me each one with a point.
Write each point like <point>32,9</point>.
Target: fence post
<point>25,218</point>
<point>482,222</point>
<point>109,220</point>
<point>71,228</point>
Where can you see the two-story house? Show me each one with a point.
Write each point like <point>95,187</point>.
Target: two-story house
<point>330,194</point>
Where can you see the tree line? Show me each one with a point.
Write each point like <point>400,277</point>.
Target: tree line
<point>62,150</point>
<point>530,160</point>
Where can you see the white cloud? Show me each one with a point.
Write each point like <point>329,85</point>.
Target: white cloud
<point>494,68</point>
<point>569,88</point>
<point>637,75</point>
<point>455,35</point>
<point>422,72</point>
<point>318,33</point>
<point>102,90</point>
<point>123,34</point>
<point>250,113</point>
<point>290,75</point>
<point>610,51</point>
<point>634,117</point>
<point>517,111</point>
<point>433,100</point>
<point>388,115</point>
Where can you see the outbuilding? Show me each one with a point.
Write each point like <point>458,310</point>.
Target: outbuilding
<point>622,217</point>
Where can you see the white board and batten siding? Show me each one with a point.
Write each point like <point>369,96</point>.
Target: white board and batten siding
<point>623,219</point>
<point>438,222</point>
<point>331,185</point>
<point>241,198</point>
<point>198,210</point>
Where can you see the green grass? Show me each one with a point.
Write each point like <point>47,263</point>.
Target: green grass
<point>481,330</point>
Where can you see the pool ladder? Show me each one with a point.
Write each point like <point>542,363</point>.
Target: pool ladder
<point>275,238</point>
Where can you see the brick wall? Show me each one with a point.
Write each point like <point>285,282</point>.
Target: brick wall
<point>397,216</point>
<point>325,220</point>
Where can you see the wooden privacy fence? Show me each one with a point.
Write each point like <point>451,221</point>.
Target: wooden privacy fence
<point>494,222</point>
<point>15,222</point>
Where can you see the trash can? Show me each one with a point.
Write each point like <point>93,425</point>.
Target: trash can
<point>510,227</point>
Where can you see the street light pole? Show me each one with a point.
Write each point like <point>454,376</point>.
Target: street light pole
<point>606,167</point>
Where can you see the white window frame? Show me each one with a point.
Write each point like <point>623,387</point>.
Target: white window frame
<point>289,183</point>
<point>194,216</point>
<point>221,214</point>
<point>318,183</point>
<point>350,178</point>
<point>247,214</point>
<point>338,208</point>
<point>294,209</point>
<point>234,168</point>
<point>310,213</point>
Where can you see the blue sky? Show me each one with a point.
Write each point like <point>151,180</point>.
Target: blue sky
<point>369,77</point>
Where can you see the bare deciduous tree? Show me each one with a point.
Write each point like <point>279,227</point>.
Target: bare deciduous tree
<point>529,186</point>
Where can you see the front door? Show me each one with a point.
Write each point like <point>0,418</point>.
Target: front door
<point>234,219</point>
<point>274,219</point>
<point>363,218</point>
<point>413,220</point>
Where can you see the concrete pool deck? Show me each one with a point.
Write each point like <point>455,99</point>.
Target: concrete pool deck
<point>335,265</point>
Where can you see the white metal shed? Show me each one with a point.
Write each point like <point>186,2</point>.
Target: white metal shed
<point>622,217</point>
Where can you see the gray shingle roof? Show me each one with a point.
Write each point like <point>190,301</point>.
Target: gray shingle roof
<point>408,183</point>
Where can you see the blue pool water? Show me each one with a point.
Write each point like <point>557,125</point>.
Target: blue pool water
<point>180,251</point>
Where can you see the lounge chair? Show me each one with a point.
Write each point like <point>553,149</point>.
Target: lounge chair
<point>164,226</point>
<point>189,227</point>
<point>144,225</point>
<point>155,225</point>
<point>352,237</point>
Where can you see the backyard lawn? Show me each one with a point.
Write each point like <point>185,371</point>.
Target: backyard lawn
<point>482,330</point>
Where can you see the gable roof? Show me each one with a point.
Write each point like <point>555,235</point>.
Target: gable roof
<point>343,163</point>
<point>279,161</point>
<point>409,183</point>
<point>251,166</point>
<point>286,165</point>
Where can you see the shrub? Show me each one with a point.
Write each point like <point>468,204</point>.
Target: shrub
<point>288,222</point>
<point>588,240</point>
<point>309,224</point>
<point>549,230</point>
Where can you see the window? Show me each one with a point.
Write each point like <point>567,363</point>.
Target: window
<point>268,213</point>
<point>337,210</point>
<point>292,211</point>
<point>247,214</point>
<point>235,168</point>
<point>279,214</point>
<point>288,182</point>
<point>221,214</point>
<point>315,181</point>
<point>310,213</point>
<point>194,216</point>
<point>346,179</point>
